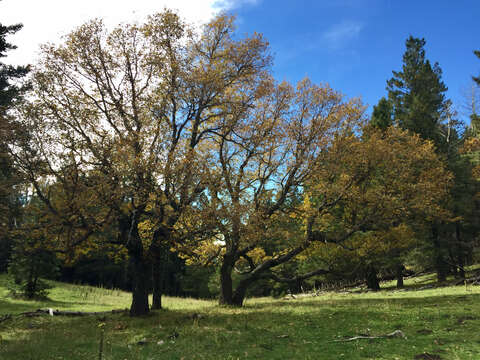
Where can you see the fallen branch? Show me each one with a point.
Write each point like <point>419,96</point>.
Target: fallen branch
<point>395,334</point>
<point>472,281</point>
<point>5,317</point>
<point>41,312</point>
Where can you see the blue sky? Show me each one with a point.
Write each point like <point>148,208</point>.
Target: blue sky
<point>352,44</point>
<point>355,44</point>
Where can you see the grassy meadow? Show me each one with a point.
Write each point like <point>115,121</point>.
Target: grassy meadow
<point>439,323</point>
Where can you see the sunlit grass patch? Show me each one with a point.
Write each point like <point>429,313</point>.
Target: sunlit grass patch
<point>440,321</point>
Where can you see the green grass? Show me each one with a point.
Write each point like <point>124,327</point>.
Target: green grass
<point>443,321</point>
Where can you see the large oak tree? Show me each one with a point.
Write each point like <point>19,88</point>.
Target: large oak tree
<point>122,122</point>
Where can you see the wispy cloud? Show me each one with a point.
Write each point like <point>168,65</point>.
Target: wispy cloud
<point>340,34</point>
<point>47,22</point>
<point>343,3</point>
<point>233,4</point>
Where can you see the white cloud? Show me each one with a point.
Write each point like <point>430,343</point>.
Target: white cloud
<point>233,4</point>
<point>340,34</point>
<point>47,20</point>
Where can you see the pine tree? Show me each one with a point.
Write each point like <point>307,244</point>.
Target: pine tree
<point>382,114</point>
<point>9,130</point>
<point>9,92</point>
<point>417,94</point>
<point>477,78</point>
<point>474,116</point>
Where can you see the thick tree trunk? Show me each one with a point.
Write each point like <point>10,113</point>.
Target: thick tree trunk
<point>140,270</point>
<point>158,280</point>
<point>440,268</point>
<point>372,279</point>
<point>160,252</point>
<point>226,285</point>
<point>241,291</point>
<point>399,275</point>
<point>139,266</point>
<point>239,295</point>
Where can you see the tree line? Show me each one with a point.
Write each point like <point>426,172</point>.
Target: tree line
<point>162,148</point>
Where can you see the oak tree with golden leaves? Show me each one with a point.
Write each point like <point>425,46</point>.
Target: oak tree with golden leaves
<point>123,122</point>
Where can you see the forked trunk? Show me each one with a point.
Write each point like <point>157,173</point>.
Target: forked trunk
<point>229,296</point>
<point>241,291</point>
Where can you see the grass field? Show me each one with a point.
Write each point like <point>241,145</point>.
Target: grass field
<point>439,323</point>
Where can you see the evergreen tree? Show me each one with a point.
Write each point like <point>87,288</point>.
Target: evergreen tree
<point>9,92</point>
<point>474,129</point>
<point>417,94</point>
<point>9,130</point>
<point>477,78</point>
<point>382,114</point>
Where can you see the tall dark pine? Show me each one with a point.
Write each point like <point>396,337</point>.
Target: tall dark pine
<point>9,92</point>
<point>417,94</point>
<point>477,78</point>
<point>9,130</point>
<point>474,129</point>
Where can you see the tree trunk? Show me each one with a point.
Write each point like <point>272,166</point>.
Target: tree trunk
<point>158,280</point>
<point>139,266</point>
<point>239,295</point>
<point>461,252</point>
<point>399,275</point>
<point>140,270</point>
<point>440,268</point>
<point>159,253</point>
<point>241,291</point>
<point>226,286</point>
<point>439,261</point>
<point>461,266</point>
<point>372,279</point>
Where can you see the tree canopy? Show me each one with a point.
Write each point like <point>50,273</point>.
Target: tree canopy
<point>164,138</point>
